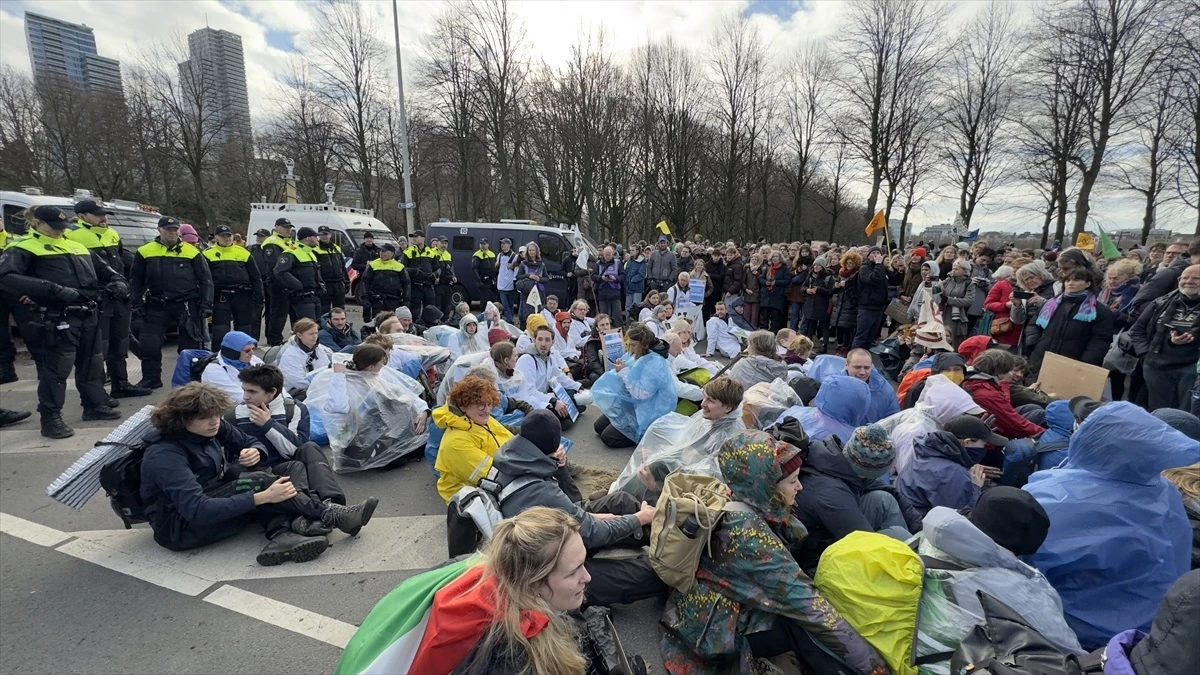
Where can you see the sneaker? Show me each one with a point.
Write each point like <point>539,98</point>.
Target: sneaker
<point>349,519</point>
<point>54,427</point>
<point>11,417</point>
<point>288,545</point>
<point>127,390</point>
<point>100,413</point>
<point>309,528</point>
<point>149,384</point>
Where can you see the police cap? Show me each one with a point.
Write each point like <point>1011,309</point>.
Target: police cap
<point>223,229</point>
<point>91,206</point>
<point>283,221</point>
<point>52,216</point>
<point>168,222</point>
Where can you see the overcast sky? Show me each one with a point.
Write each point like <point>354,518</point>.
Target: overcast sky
<point>273,30</point>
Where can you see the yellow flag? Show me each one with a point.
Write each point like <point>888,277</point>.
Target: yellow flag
<point>662,227</point>
<point>877,223</point>
<point>1085,241</point>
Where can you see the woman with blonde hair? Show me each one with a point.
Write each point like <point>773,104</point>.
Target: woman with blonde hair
<point>302,355</point>
<point>1187,480</point>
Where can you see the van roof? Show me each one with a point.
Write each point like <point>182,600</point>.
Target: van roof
<point>368,222</point>
<point>506,225</point>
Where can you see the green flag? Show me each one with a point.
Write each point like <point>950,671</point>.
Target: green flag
<point>1107,248</point>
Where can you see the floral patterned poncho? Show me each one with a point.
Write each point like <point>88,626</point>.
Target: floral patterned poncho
<point>751,578</point>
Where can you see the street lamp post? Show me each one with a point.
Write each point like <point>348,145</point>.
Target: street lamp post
<point>407,169</point>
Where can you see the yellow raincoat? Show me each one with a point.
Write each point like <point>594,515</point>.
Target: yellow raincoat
<point>874,582</point>
<point>466,451</point>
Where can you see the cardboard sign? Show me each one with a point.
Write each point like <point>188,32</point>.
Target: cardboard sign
<point>696,291</point>
<point>1065,377</point>
<point>897,311</point>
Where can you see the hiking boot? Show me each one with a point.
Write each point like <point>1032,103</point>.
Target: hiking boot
<point>288,545</point>
<point>309,528</point>
<point>100,413</point>
<point>111,402</point>
<point>10,417</point>
<point>149,384</point>
<point>349,519</point>
<point>54,427</point>
<point>127,390</point>
<point>8,373</point>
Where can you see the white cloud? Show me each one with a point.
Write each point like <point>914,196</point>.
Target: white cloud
<point>124,29</point>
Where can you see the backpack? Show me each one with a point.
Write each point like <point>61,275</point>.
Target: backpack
<point>1005,644</point>
<point>474,512</point>
<point>689,509</point>
<point>190,366</point>
<point>121,479</point>
<point>271,358</point>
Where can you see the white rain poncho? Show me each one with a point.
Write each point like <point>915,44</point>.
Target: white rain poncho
<point>440,335</point>
<point>370,417</point>
<point>478,364</point>
<point>751,370</point>
<point>463,342</point>
<point>676,442</point>
<point>763,403</point>
<point>940,401</point>
<point>432,355</point>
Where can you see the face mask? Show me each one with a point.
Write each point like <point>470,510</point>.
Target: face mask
<point>955,377</point>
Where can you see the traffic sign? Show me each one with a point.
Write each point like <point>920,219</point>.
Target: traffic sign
<point>406,205</point>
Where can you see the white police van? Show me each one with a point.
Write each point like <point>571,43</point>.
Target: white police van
<point>136,223</point>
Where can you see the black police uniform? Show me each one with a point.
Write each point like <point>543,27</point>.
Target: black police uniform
<point>421,264</point>
<point>483,264</point>
<point>299,274</point>
<point>237,290</point>
<point>385,285</point>
<point>333,273</point>
<point>173,285</point>
<point>115,314</point>
<point>278,303</point>
<point>262,308</point>
<point>65,281</point>
<point>444,285</point>
<point>8,303</point>
<point>363,257</point>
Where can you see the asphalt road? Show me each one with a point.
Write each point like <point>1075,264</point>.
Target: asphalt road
<point>79,594</point>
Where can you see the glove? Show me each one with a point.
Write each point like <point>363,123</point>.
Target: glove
<point>206,312</point>
<point>118,290</point>
<point>64,294</point>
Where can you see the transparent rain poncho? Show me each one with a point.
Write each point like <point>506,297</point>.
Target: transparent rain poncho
<point>369,417</point>
<point>673,442</point>
<point>432,354</point>
<point>637,396</point>
<point>763,403</point>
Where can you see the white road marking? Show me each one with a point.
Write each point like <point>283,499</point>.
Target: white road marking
<point>15,441</point>
<point>146,568</point>
<point>32,532</point>
<point>285,616</point>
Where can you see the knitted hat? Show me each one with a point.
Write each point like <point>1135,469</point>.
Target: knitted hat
<point>870,451</point>
<point>920,252</point>
<point>403,313</point>
<point>820,260</point>
<point>874,249</point>
<point>1181,421</point>
<point>542,428</point>
<point>1012,518</point>
<point>497,335</point>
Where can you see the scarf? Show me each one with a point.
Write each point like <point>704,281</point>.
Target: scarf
<point>311,362</point>
<point>231,348</point>
<point>772,271</point>
<point>1086,312</point>
<point>846,272</point>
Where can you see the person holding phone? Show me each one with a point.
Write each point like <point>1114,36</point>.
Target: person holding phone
<point>1165,335</point>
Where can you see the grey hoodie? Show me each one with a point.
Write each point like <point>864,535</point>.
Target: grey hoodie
<point>518,457</point>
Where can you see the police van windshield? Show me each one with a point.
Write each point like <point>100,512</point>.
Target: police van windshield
<point>381,238</point>
<point>14,218</point>
<point>135,227</point>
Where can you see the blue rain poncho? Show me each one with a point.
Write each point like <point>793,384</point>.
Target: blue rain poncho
<point>840,407</point>
<point>637,395</point>
<point>883,394</point>
<point>1119,535</point>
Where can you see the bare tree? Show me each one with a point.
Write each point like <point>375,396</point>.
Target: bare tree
<point>306,131</point>
<point>1184,138</point>
<point>978,89</point>
<point>1147,173</point>
<point>807,103</point>
<point>24,156</point>
<point>836,178</point>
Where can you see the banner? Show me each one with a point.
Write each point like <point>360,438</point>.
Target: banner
<point>1085,241</point>
<point>877,223</point>
<point>1107,248</point>
<point>535,298</point>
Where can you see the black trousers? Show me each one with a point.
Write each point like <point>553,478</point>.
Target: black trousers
<point>610,435</point>
<point>231,305</point>
<point>8,353</point>
<point>278,309</point>
<point>866,332</point>
<point>321,479</point>
<point>114,334</point>
<point>159,316</point>
<point>62,342</point>
<point>173,532</point>
<point>382,303</point>
<point>334,296</point>
<point>422,295</point>
<point>622,574</point>
<point>488,292</point>
<point>787,636</point>
<point>443,292</point>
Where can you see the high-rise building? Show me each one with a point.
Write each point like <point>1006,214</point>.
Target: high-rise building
<point>59,50</point>
<point>216,59</point>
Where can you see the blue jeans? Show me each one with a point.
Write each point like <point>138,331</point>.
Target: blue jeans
<point>794,319</point>
<point>632,300</point>
<point>508,299</point>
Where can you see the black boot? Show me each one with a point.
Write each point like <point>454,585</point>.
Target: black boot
<point>8,373</point>
<point>100,413</point>
<point>149,384</point>
<point>54,427</point>
<point>11,417</point>
<point>349,519</point>
<point>309,528</point>
<point>127,390</point>
<point>112,402</point>
<point>288,545</point>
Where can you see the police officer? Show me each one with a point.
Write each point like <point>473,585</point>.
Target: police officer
<point>64,281</point>
<point>93,232</point>
<point>261,309</point>
<point>8,353</point>
<point>278,303</point>
<point>420,261</point>
<point>444,272</point>
<point>237,285</point>
<point>333,270</point>
<point>172,285</point>
<point>386,284</point>
<point>299,274</point>
<point>483,264</point>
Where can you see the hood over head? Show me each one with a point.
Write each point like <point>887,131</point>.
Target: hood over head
<point>520,457</point>
<point>947,400</point>
<point>845,399</point>
<point>1059,417</point>
<point>1181,421</point>
<point>752,463</point>
<point>974,346</point>
<point>468,319</point>
<point>944,360</point>
<point>1175,632</point>
<point>431,316</point>
<point>535,321</point>
<point>943,445</point>
<point>1121,441</point>
<point>231,348</point>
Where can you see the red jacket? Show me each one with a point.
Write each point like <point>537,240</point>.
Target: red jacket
<point>992,395</point>
<point>997,304</point>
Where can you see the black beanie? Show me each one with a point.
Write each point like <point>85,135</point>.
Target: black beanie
<point>542,428</point>
<point>1012,518</point>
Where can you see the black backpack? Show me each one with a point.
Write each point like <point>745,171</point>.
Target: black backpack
<point>121,479</point>
<point>1005,644</point>
<point>196,371</point>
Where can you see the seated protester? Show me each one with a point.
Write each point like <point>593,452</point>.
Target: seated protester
<point>430,316</point>
<point>720,341</point>
<point>737,315</point>
<point>638,390</point>
<point>398,359</point>
<point>472,435</point>
<point>843,492</point>
<point>684,442</point>
<point>658,322</point>
<point>581,325</point>
<point>1052,445</point>
<point>468,339</point>
<point>549,311</point>
<point>541,372</point>
<point>952,365</point>
<point>684,391</point>
<point>525,341</point>
<point>197,488</point>
<point>1021,394</point>
<point>983,551</point>
<point>799,349</point>
<point>1172,639</point>
<point>762,363</point>
<point>941,401</point>
<point>840,406</point>
<point>1072,324</point>
<point>563,342</point>
<point>236,354</point>
<point>945,469</point>
<point>338,334</point>
<point>1119,535</point>
<point>405,318</point>
<point>988,385</point>
<point>751,600</point>
<point>461,310</point>
<point>302,355</point>
<point>860,365</point>
<point>593,350</point>
<point>687,344</point>
<point>646,308</point>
